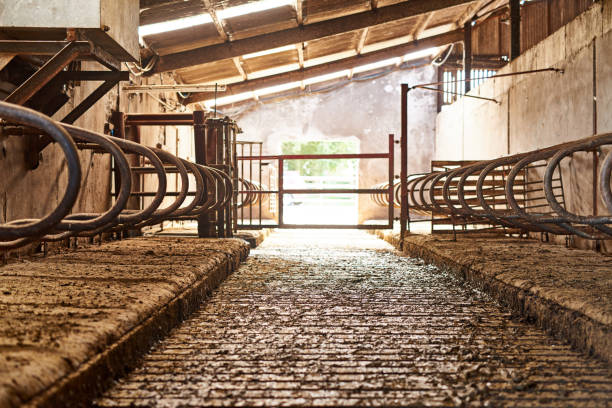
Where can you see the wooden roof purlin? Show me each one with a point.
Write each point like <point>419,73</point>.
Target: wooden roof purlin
<point>306,37</point>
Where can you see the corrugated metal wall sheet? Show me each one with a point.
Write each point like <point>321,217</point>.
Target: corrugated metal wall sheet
<point>539,19</point>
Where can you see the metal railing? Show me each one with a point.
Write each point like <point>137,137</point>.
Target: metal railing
<point>61,224</point>
<point>281,191</point>
<point>516,194</point>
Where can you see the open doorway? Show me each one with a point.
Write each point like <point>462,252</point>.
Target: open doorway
<point>326,174</point>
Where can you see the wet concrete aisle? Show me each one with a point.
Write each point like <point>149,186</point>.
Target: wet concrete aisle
<point>339,319</point>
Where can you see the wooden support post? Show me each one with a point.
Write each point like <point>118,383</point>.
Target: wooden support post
<point>467,55</point>
<point>515,29</point>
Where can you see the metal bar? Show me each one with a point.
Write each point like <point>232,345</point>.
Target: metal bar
<point>317,156</point>
<point>281,164</point>
<point>404,213</point>
<point>173,88</point>
<point>531,71</point>
<point>260,180</point>
<point>159,119</point>
<point>334,191</point>
<point>93,76</point>
<point>251,178</point>
<point>88,102</point>
<point>47,72</point>
<point>391,173</point>
<point>333,226</point>
<point>118,121</point>
<point>199,139</point>
<point>459,94</point>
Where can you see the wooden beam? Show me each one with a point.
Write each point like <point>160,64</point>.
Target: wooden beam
<point>362,40</point>
<point>300,34</point>
<point>467,55</point>
<point>240,68</point>
<point>515,29</point>
<point>4,60</point>
<point>299,12</point>
<point>422,24</point>
<point>215,19</point>
<point>300,51</point>
<point>346,63</point>
<point>373,4</point>
<point>469,13</point>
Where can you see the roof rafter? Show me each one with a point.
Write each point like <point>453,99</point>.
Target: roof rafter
<point>299,13</point>
<point>422,24</point>
<point>301,34</point>
<point>300,51</point>
<point>346,63</point>
<point>215,19</point>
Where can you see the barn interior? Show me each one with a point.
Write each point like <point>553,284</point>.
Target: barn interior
<point>305,203</point>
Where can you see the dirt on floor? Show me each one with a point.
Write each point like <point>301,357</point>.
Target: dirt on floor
<point>339,319</point>
<point>566,291</point>
<point>59,313</point>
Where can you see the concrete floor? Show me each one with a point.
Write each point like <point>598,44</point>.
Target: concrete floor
<point>341,319</point>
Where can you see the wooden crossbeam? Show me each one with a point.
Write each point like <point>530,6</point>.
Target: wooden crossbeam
<point>299,12</point>
<point>301,34</point>
<point>323,69</point>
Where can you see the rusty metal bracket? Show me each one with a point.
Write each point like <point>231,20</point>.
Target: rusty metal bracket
<point>48,71</point>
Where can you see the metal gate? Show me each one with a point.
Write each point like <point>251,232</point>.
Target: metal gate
<point>258,173</point>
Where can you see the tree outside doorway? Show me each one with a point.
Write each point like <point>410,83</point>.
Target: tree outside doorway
<point>321,174</point>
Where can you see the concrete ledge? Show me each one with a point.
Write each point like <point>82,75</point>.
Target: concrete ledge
<point>255,237</point>
<point>73,322</point>
<point>567,292</point>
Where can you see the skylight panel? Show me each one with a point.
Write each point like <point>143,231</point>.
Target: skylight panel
<point>172,25</point>
<point>378,64</point>
<point>253,7</point>
<point>429,52</point>
<point>270,51</point>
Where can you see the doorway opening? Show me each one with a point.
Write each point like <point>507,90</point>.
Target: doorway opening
<point>325,174</point>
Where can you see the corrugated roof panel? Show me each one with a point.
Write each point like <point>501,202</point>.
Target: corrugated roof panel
<point>184,39</point>
<point>317,10</point>
<point>210,73</point>
<point>384,32</point>
<point>262,22</point>
<point>270,61</point>
<point>331,45</point>
<point>172,11</point>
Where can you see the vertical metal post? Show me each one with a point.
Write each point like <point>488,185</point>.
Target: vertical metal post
<point>391,174</point>
<point>235,177</point>
<point>515,29</point>
<point>281,164</point>
<point>404,214</point>
<point>242,176</point>
<point>219,161</point>
<point>467,57</point>
<point>118,121</point>
<point>251,179</point>
<point>261,196</point>
<point>199,136</point>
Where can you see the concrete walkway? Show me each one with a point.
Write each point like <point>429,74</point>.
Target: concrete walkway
<point>566,291</point>
<point>340,319</point>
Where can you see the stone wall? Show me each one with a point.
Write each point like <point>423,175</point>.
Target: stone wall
<point>367,111</point>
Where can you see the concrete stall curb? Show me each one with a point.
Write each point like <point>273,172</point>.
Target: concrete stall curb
<point>583,332</point>
<point>106,362</point>
<point>116,360</point>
